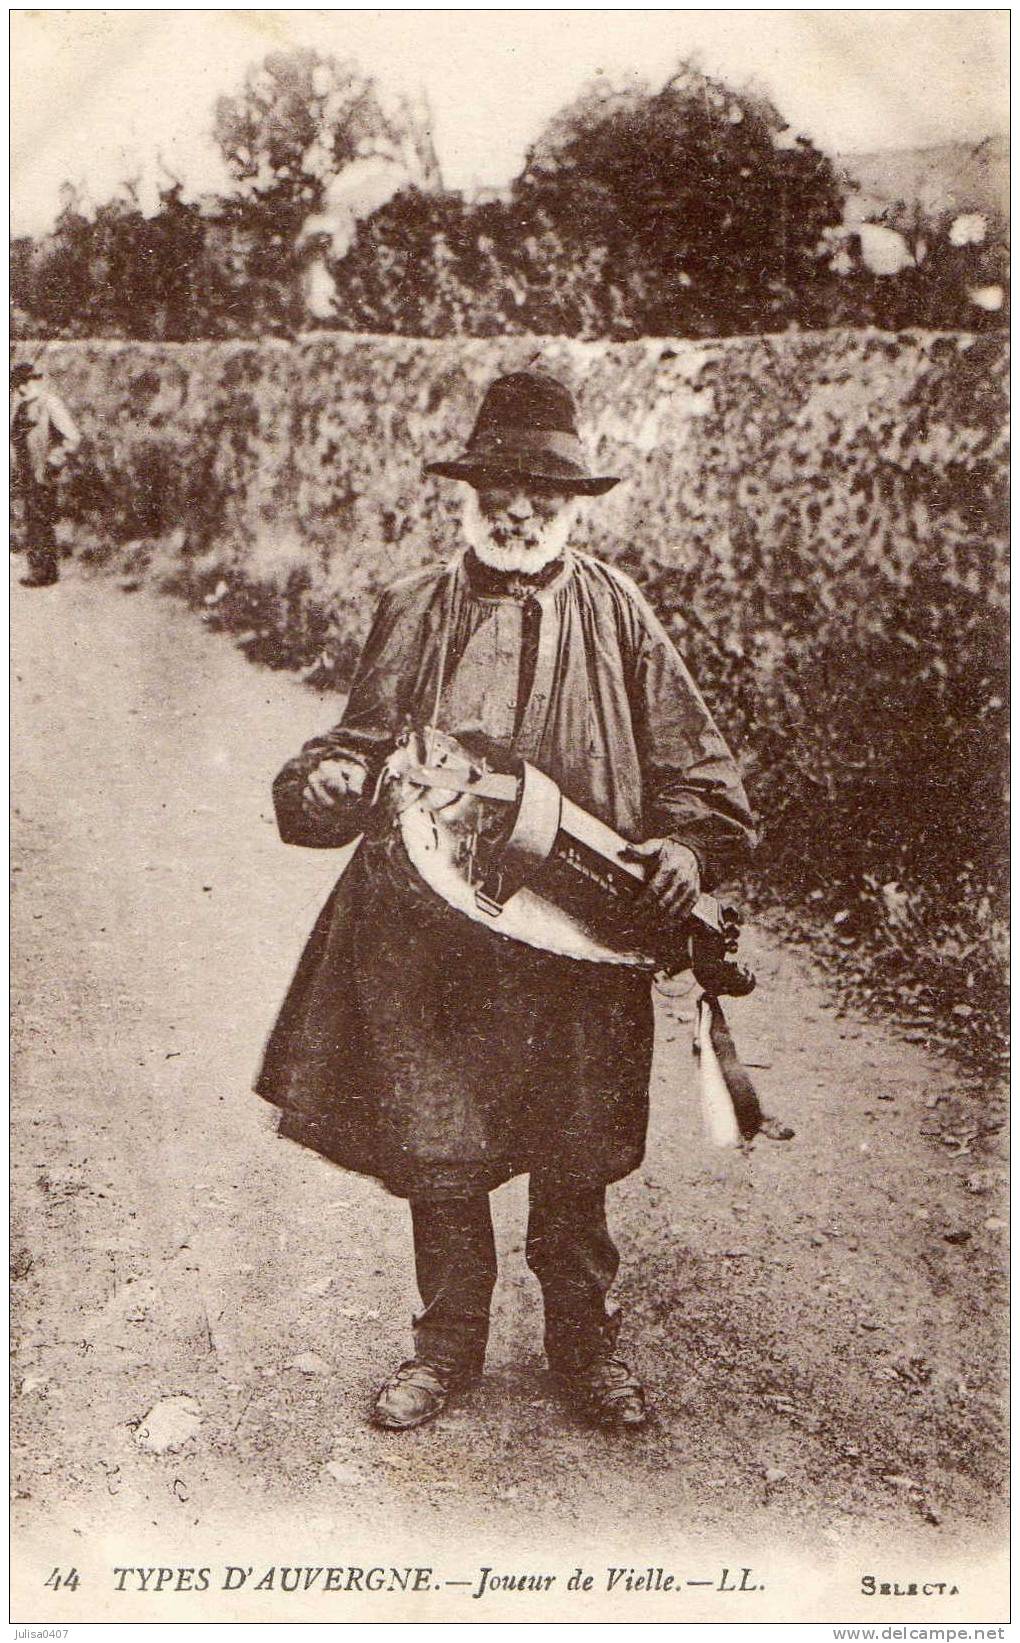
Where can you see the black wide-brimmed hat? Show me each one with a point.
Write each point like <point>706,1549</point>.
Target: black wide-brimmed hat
<point>526,430</point>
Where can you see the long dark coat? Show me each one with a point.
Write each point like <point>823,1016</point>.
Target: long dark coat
<point>427,1050</point>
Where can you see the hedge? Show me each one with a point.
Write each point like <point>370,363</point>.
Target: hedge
<point>820,517</point>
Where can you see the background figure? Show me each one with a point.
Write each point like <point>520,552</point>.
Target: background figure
<point>43,435</point>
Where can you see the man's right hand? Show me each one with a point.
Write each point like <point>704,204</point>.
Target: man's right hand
<point>331,785</point>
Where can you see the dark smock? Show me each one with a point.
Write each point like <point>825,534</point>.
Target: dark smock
<point>429,1051</point>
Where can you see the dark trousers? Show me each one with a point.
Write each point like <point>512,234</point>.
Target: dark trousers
<point>568,1249</point>
<point>40,517</point>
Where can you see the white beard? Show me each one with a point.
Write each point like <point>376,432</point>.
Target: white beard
<point>544,543</point>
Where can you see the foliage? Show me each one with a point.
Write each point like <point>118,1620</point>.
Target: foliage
<point>428,265</point>
<point>299,120</point>
<point>229,265</point>
<point>687,211</point>
<point>684,212</point>
<point>955,274</point>
<point>820,519</point>
<point>121,272</point>
<point>711,212</point>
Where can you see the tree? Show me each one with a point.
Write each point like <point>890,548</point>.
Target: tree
<point>711,210</point>
<point>301,118</point>
<point>62,283</point>
<point>302,123</point>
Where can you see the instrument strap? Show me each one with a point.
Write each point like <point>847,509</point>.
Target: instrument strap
<point>444,646</point>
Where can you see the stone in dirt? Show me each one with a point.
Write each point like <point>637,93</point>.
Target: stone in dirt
<point>320,1287</point>
<point>168,1425</point>
<point>344,1474</point>
<point>309,1363</point>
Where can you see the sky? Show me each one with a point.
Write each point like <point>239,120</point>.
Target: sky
<point>97,96</point>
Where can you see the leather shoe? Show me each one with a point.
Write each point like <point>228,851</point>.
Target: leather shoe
<point>607,1393</point>
<point>416,1392</point>
<point>774,1129</point>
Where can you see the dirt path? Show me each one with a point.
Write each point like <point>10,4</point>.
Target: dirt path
<point>819,1324</point>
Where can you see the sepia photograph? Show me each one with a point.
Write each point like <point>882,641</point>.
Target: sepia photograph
<point>509,705</point>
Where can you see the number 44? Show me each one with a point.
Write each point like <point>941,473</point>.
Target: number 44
<point>58,1579</point>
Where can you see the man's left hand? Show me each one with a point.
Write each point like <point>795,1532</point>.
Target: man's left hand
<point>675,883</point>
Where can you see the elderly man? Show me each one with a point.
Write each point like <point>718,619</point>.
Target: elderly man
<point>426,1050</point>
<point>42,434</point>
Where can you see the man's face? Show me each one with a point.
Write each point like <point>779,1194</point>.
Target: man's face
<point>518,516</point>
<point>517,526</point>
